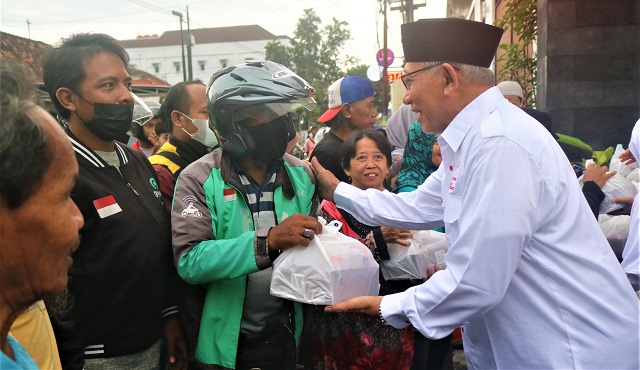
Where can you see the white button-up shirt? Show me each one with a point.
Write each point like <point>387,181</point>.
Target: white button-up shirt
<point>631,253</point>
<point>529,273</point>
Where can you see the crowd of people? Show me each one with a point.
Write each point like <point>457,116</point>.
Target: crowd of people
<point>160,254</point>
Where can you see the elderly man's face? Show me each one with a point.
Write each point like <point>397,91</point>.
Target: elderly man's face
<point>39,236</point>
<point>426,97</point>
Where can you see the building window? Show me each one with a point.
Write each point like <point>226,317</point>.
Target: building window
<point>223,63</point>
<point>156,67</point>
<point>177,65</point>
<point>202,64</point>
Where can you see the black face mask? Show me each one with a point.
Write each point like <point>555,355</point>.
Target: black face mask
<point>110,121</point>
<point>271,139</point>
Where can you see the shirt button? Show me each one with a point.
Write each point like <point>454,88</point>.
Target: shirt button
<point>450,168</point>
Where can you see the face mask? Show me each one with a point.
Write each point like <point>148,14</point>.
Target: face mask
<point>204,134</point>
<point>110,121</point>
<point>271,139</point>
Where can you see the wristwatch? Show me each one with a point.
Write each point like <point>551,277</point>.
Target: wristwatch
<point>262,241</point>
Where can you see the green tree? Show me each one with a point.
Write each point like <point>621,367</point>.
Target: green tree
<point>316,54</point>
<point>521,17</point>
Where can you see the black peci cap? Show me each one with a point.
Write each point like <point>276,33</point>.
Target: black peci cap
<point>450,40</point>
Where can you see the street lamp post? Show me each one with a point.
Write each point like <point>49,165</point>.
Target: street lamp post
<point>184,70</point>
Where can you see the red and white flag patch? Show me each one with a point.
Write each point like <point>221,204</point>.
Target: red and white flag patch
<point>229,195</point>
<point>107,206</point>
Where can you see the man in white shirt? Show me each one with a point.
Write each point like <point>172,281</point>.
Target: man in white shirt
<point>631,253</point>
<point>529,273</point>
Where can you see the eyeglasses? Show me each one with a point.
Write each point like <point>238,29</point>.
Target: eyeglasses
<point>403,77</point>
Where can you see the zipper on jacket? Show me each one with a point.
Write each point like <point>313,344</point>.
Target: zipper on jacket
<point>133,189</point>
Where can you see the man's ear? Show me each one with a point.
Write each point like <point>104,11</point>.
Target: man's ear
<point>346,110</point>
<point>176,118</point>
<point>452,79</point>
<point>66,98</point>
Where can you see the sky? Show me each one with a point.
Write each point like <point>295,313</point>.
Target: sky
<point>125,19</point>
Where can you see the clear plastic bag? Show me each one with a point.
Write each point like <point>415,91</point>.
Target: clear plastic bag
<point>332,269</point>
<point>427,248</point>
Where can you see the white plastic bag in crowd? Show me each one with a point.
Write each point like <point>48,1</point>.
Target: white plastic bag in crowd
<point>616,229</point>
<point>332,269</point>
<point>617,187</point>
<point>617,165</point>
<point>427,248</point>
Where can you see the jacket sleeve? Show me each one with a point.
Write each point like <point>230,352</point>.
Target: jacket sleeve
<point>199,256</point>
<point>167,184</point>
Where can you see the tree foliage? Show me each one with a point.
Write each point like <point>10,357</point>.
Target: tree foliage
<point>520,17</point>
<point>315,53</point>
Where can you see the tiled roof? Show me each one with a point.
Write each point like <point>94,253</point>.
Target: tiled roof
<point>142,78</point>
<point>30,53</point>
<point>204,36</point>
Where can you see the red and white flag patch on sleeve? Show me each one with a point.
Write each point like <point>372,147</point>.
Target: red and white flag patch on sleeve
<point>107,206</point>
<point>229,195</point>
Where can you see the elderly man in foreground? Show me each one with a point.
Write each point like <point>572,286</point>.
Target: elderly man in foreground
<point>39,222</point>
<point>529,273</point>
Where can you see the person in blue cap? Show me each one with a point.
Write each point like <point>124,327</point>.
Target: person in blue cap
<point>351,107</point>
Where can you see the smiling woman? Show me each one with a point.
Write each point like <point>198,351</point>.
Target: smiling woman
<point>366,158</point>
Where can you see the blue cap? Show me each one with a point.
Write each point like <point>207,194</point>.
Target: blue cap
<point>348,89</point>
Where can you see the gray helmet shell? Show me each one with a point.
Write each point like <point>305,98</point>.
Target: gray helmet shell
<point>260,90</point>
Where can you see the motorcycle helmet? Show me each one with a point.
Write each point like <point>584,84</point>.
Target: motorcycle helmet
<point>142,115</point>
<point>260,90</point>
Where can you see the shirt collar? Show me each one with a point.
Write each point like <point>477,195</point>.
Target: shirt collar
<point>470,115</point>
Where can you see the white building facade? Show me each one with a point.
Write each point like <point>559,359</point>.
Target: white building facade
<point>212,49</point>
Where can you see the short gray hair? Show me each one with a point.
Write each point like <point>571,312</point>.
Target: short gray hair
<point>473,74</point>
<point>24,144</point>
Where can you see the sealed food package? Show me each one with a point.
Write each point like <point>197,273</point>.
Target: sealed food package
<point>332,269</point>
<point>427,248</point>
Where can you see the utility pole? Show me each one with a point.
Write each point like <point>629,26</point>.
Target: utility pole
<point>385,80</point>
<point>29,28</point>
<point>189,46</point>
<point>184,66</point>
<point>407,7</point>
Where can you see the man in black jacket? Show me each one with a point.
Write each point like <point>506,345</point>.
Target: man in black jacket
<point>123,278</point>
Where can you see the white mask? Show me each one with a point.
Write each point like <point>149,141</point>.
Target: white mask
<point>204,134</point>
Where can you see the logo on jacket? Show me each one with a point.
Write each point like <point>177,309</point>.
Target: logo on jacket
<point>191,210</point>
<point>156,191</point>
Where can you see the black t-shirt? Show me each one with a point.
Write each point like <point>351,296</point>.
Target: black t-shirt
<point>328,151</point>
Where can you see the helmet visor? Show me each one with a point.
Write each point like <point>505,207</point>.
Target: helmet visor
<point>141,112</point>
<point>266,112</point>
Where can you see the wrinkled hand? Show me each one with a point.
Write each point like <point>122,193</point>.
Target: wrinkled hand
<point>367,305</point>
<point>627,157</point>
<point>399,236</point>
<point>326,182</point>
<point>290,232</point>
<point>176,345</point>
<point>598,174</point>
<point>626,210</point>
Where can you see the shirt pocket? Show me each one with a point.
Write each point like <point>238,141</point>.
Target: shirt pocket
<point>452,208</point>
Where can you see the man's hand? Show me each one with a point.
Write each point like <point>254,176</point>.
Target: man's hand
<point>176,345</point>
<point>597,174</point>
<point>398,236</point>
<point>627,157</point>
<point>326,182</point>
<point>367,305</point>
<point>291,232</point>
